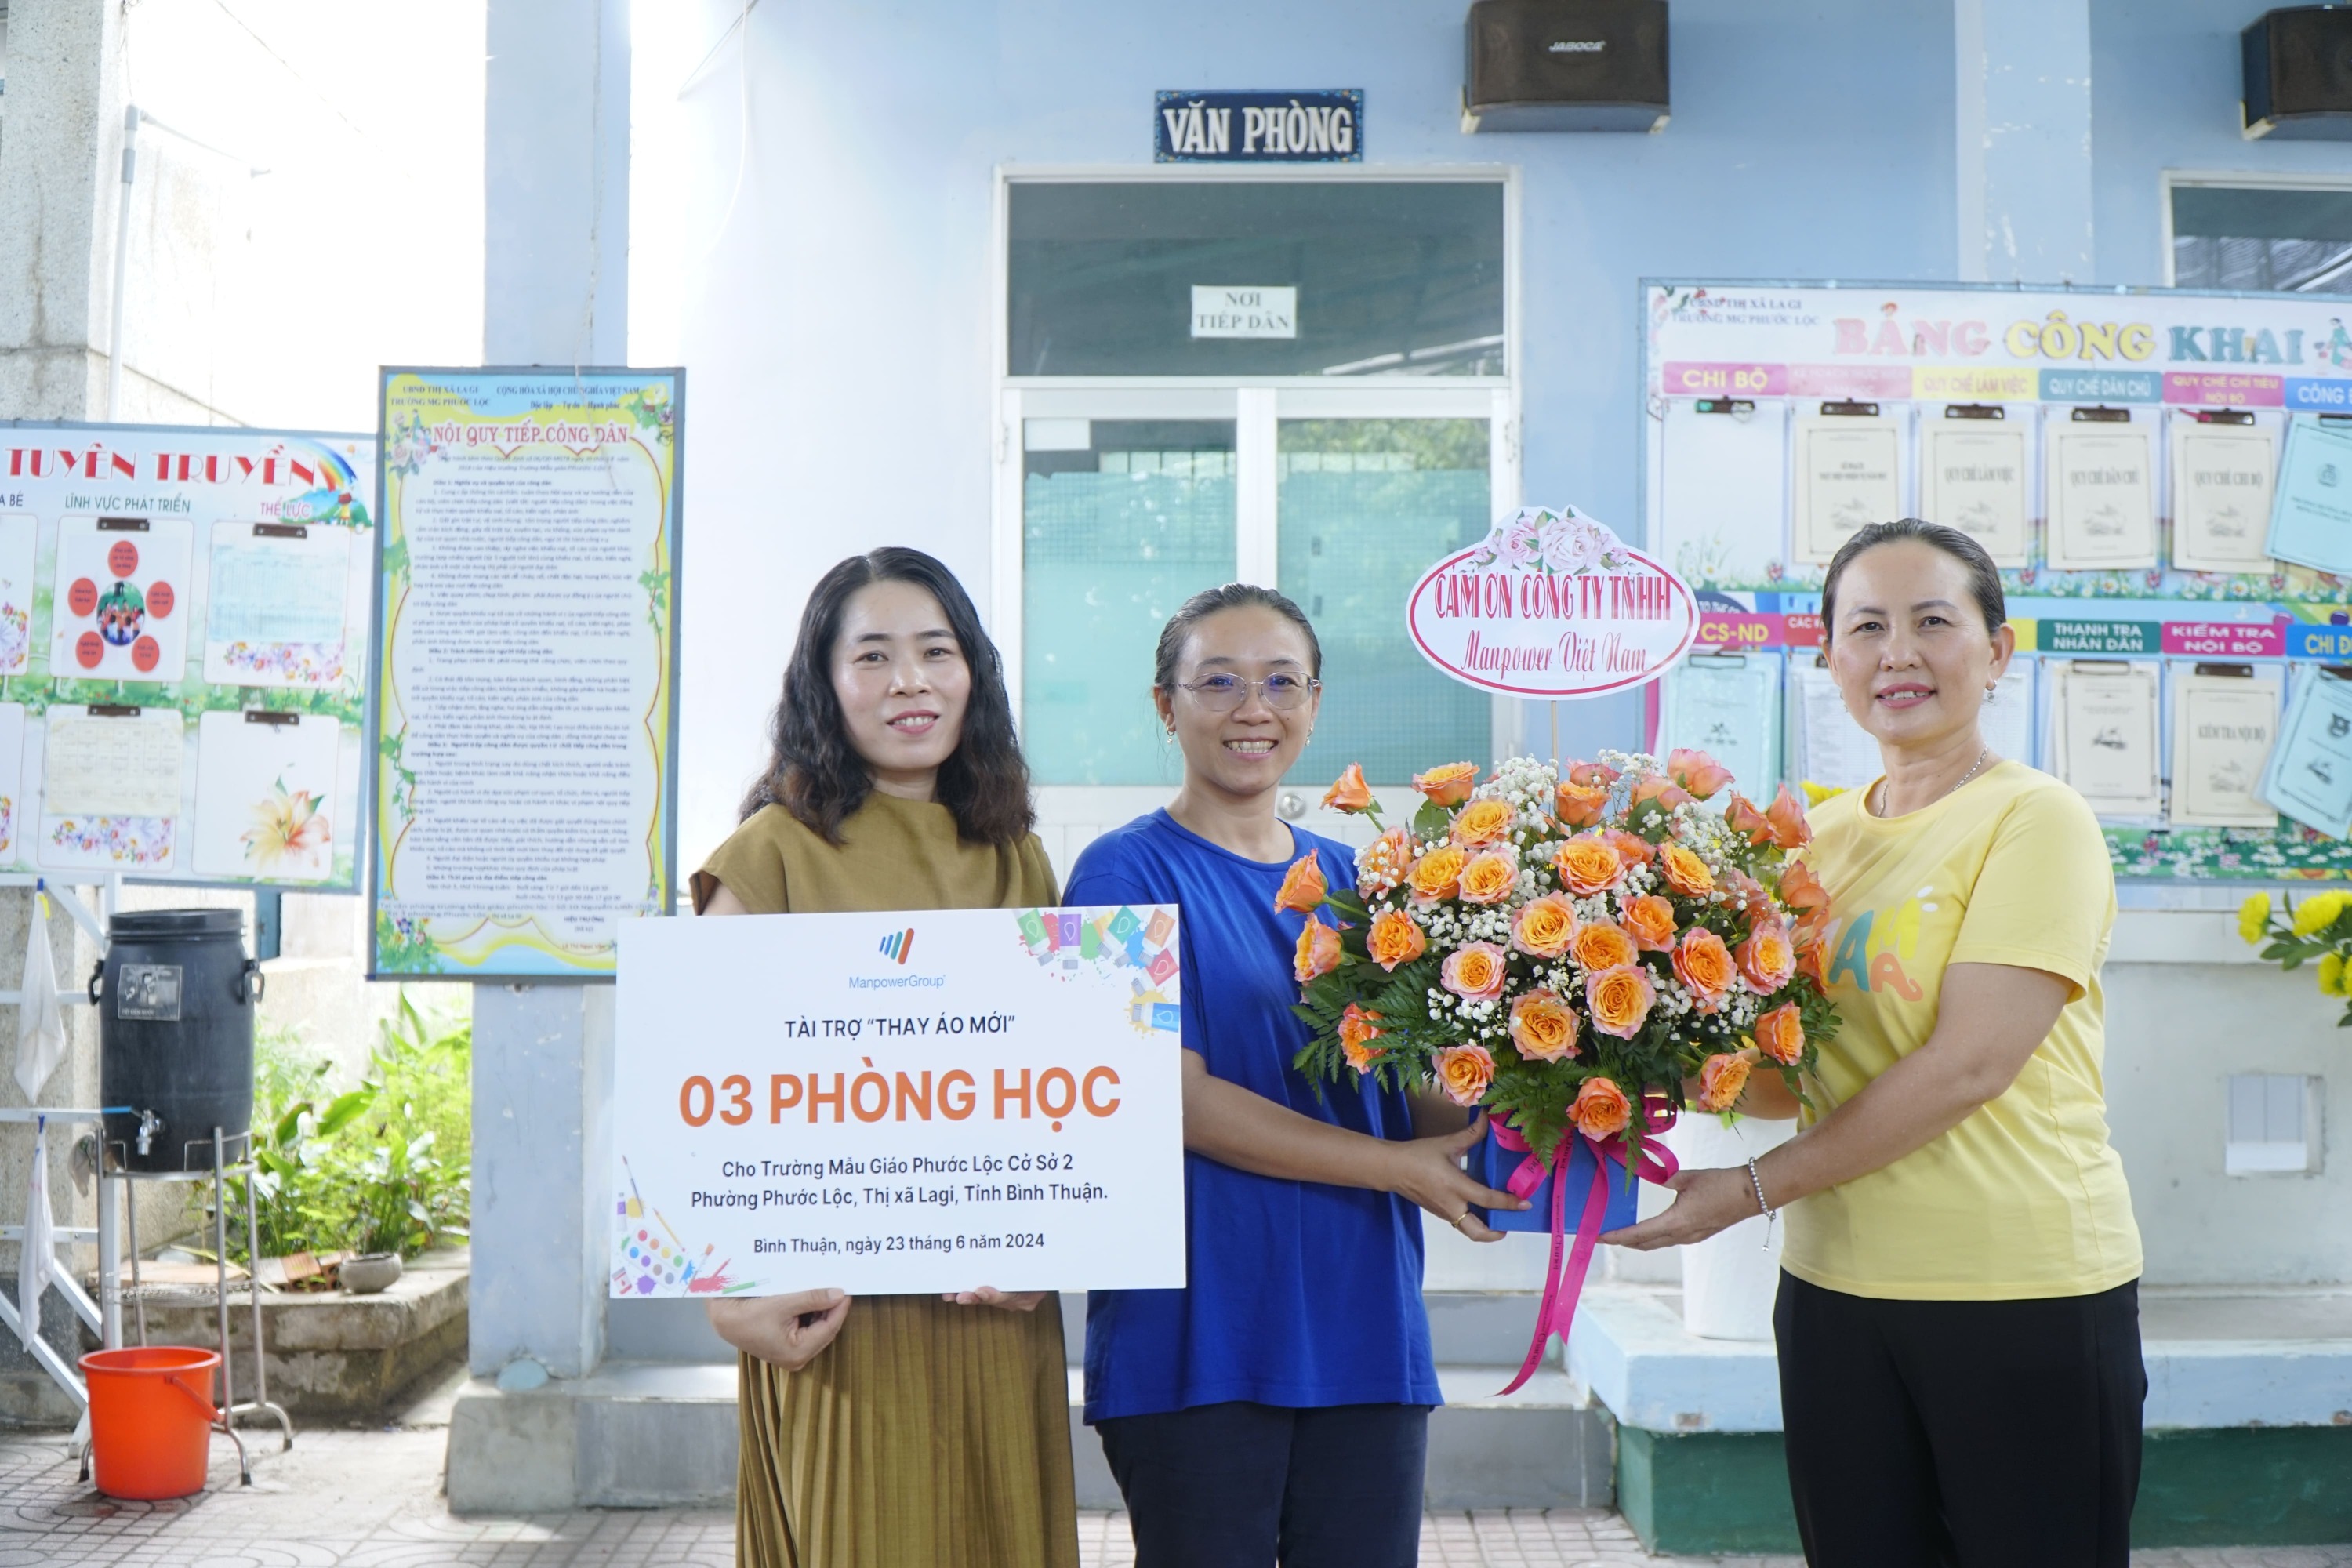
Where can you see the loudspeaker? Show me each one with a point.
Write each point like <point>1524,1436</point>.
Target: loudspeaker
<point>2298,66</point>
<point>1565,65</point>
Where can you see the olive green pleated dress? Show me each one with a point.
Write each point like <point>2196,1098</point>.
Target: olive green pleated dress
<point>927,1434</point>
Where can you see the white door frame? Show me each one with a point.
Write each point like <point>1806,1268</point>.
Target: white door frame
<point>1256,403</point>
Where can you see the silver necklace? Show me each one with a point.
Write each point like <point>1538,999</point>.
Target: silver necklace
<point>1973,767</point>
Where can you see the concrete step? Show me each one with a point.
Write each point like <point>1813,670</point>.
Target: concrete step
<point>1547,1446</point>
<point>654,1435</point>
<point>1466,1328</point>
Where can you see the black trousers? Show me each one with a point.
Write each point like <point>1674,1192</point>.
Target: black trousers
<point>1961,1434</point>
<point>1247,1486</point>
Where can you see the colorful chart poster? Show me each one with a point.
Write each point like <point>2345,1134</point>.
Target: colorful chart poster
<point>933,1101</point>
<point>115,613</point>
<point>526,701</point>
<point>277,594</point>
<point>120,596</point>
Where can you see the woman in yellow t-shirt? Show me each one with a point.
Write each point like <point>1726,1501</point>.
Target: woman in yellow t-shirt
<point>1958,1321</point>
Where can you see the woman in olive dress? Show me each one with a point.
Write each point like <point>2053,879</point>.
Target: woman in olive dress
<point>893,1430</point>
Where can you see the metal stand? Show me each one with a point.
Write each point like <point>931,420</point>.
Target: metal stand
<point>229,1409</point>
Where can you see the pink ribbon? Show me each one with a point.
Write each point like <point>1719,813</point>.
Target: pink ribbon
<point>1562,1287</point>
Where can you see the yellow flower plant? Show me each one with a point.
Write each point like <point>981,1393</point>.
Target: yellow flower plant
<point>2316,930</point>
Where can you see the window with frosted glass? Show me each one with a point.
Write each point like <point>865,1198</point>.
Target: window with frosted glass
<point>1393,278</point>
<point>2262,237</point>
<point>1366,506</point>
<point>1121,522</point>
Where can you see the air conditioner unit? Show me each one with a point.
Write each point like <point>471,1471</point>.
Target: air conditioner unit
<point>1565,65</point>
<point>2298,65</point>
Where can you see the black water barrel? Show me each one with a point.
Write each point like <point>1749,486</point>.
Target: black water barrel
<point>175,997</point>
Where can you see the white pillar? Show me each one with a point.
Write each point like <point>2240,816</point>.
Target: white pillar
<point>2024,140</point>
<point>555,154</point>
<point>60,171</point>
<point>555,274</point>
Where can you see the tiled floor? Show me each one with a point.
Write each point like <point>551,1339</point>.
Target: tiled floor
<point>371,1500</point>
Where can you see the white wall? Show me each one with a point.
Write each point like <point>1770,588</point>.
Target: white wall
<point>2187,1004</point>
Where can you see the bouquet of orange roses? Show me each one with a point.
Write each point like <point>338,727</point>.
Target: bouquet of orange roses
<point>1566,952</point>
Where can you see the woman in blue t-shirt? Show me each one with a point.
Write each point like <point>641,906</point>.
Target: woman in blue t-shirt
<point>1277,1408</point>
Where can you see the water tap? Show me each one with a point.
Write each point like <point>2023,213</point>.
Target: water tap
<point>149,1125</point>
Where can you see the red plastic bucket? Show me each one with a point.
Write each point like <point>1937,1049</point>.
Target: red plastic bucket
<point>151,1416</point>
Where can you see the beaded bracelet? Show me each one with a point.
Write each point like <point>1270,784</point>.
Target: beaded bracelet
<point>1769,1213</point>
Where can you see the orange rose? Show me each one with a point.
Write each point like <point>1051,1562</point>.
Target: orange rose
<point>1317,953</point>
<point>1697,772</point>
<point>1684,872</point>
<point>1481,823</point>
<point>1447,785</point>
<point>1358,1030</point>
<point>1543,1026</point>
<point>1351,794</point>
<point>1721,1081</point>
<point>1801,889</point>
<point>1601,1109</point>
<point>1474,971</point>
<point>1649,920</point>
<point>1380,865</point>
<point>1597,945</point>
<point>1543,926</point>
<point>1302,886</point>
<point>1618,1000</point>
<point>1767,959</point>
<point>1631,847</point>
<point>1703,966</point>
<point>1436,875</point>
<point>1490,878</point>
<point>1813,956</point>
<point>1743,818</point>
<point>1588,864</point>
<point>1662,789</point>
<point>1780,1034</point>
<point>1747,895</point>
<point>1592,776</point>
<point>1395,938</point>
<point>1463,1072</point>
<point>1581,806</point>
<point>1787,817</point>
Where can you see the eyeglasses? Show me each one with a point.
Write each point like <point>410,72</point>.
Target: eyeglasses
<point>1224,693</point>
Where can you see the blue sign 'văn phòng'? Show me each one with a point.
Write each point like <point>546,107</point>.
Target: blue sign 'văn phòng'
<point>1319,127</point>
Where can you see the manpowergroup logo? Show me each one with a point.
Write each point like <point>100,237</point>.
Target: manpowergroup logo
<point>898,944</point>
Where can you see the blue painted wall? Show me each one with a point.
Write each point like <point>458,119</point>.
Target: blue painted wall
<point>838,313</point>
<point>2165,82</point>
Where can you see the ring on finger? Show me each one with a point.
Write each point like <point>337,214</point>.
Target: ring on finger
<point>1459,1218</point>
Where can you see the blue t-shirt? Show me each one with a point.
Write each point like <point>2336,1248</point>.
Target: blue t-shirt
<point>1301,1294</point>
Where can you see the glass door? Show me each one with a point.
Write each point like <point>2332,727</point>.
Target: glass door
<point>1364,506</point>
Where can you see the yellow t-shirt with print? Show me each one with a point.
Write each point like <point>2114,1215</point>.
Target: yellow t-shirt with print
<point>2024,1198</point>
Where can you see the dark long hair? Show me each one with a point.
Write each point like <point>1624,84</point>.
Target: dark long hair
<point>817,775</point>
